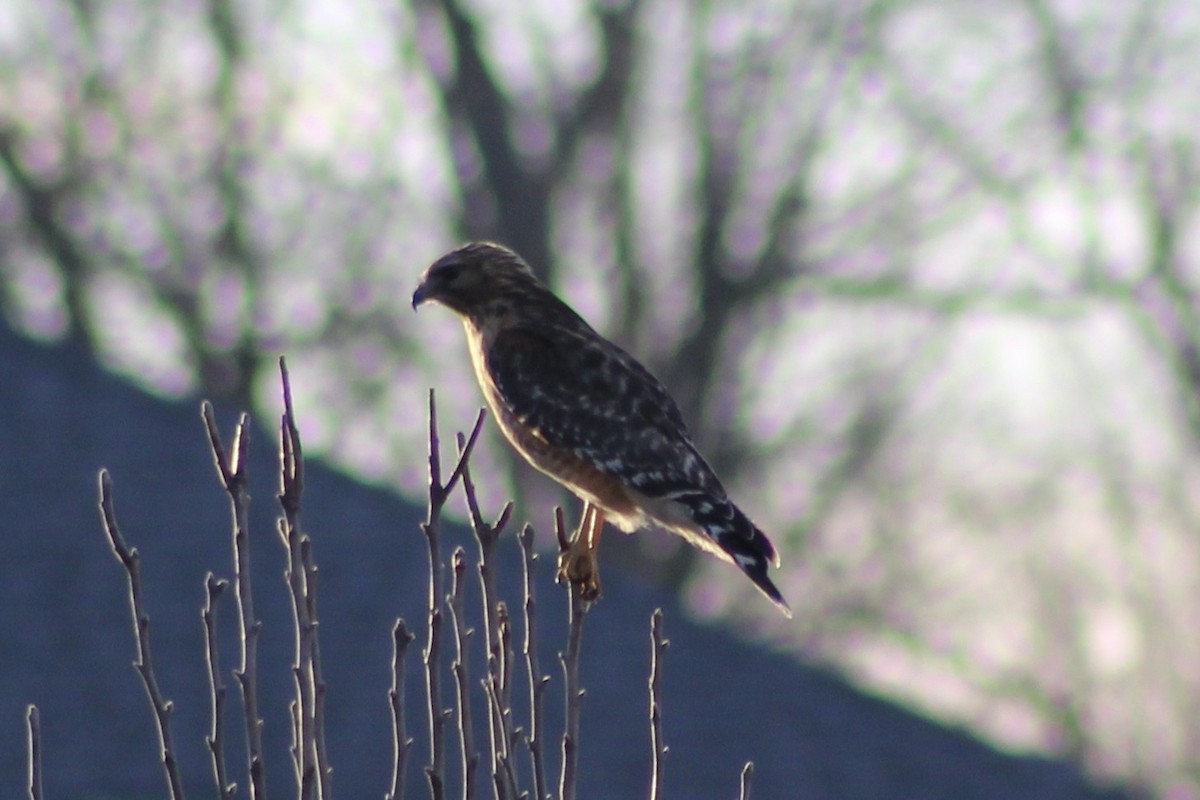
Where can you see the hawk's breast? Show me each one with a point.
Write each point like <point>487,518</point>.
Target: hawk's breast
<point>577,474</point>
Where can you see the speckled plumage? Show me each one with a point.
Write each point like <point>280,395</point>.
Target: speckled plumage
<point>585,412</point>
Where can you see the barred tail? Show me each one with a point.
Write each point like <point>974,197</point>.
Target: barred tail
<point>738,539</point>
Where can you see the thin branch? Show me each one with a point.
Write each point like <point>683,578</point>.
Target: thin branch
<point>438,494</point>
<point>537,681</point>
<point>304,755</point>
<point>33,729</point>
<point>324,769</point>
<point>233,477</point>
<point>440,491</point>
<point>505,623</point>
<point>308,751</point>
<point>503,776</point>
<point>462,638</point>
<point>435,771</point>
<point>498,658</point>
<point>464,452</point>
<point>216,689</point>
<point>747,776</point>
<point>401,742</point>
<point>291,450</point>
<point>658,646</point>
<point>502,704</point>
<point>577,610</point>
<point>131,561</point>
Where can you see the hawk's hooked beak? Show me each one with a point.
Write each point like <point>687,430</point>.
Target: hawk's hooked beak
<point>421,295</point>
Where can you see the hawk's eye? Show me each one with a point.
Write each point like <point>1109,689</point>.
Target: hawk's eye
<point>448,273</point>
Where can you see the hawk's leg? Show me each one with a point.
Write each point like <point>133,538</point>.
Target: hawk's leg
<point>578,563</point>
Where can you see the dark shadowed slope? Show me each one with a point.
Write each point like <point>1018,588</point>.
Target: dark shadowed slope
<point>65,642</point>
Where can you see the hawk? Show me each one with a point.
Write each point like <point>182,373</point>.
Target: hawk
<point>586,413</point>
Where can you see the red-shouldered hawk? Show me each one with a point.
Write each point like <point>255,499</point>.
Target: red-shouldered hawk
<point>586,413</point>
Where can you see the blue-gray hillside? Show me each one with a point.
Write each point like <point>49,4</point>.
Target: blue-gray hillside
<point>66,643</point>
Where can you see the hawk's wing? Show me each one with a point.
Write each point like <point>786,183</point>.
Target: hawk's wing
<point>586,395</point>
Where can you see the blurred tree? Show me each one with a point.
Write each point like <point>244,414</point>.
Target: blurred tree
<point>921,275</point>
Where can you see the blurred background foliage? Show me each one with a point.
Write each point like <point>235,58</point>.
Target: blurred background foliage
<point>922,275</point>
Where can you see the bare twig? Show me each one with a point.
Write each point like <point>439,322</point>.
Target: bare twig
<point>401,639</point>
<point>291,452</point>
<point>233,477</point>
<point>503,777</point>
<point>498,660</point>
<point>658,646</point>
<point>216,689</point>
<point>537,681</point>
<point>503,704</point>
<point>435,771</point>
<point>307,788</point>
<point>308,751</point>
<point>141,627</point>
<point>33,729</point>
<point>462,638</point>
<point>747,775</point>
<point>324,769</point>
<point>304,748</point>
<point>577,610</point>
<point>438,493</point>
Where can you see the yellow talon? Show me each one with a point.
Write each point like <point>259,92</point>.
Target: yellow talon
<point>578,563</point>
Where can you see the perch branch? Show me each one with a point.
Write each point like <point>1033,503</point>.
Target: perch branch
<point>577,610</point>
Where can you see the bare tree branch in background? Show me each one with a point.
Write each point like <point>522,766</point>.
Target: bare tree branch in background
<point>513,199</point>
<point>234,243</point>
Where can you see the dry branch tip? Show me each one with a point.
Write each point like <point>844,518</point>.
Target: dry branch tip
<point>747,777</point>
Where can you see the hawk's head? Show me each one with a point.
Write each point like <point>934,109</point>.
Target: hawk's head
<point>466,278</point>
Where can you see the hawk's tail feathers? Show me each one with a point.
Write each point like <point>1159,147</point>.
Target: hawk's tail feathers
<point>740,539</point>
<point>755,567</point>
